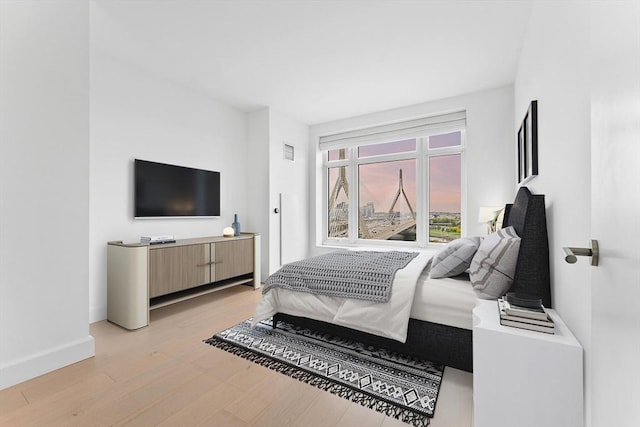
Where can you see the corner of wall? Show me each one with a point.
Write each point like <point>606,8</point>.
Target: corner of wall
<point>46,361</point>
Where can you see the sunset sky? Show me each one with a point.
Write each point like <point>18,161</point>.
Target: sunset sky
<point>379,181</point>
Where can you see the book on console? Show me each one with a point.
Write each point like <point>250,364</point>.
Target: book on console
<point>157,239</point>
<point>547,323</point>
<point>538,313</point>
<point>528,326</point>
<point>538,320</point>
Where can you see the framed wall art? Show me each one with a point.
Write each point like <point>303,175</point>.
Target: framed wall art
<point>521,158</point>
<point>528,145</point>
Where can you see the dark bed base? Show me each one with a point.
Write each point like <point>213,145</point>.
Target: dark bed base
<point>437,343</point>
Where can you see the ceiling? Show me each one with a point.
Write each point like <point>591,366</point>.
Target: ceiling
<point>318,61</point>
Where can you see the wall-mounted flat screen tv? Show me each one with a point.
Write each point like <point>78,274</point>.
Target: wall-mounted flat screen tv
<point>163,190</point>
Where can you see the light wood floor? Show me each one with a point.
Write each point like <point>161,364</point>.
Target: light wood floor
<point>165,375</point>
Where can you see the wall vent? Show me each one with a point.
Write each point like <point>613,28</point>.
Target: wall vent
<point>288,152</point>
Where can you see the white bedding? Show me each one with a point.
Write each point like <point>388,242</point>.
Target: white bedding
<point>388,319</point>
<point>446,301</point>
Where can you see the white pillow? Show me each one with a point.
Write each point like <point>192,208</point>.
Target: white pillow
<point>494,265</point>
<point>455,258</point>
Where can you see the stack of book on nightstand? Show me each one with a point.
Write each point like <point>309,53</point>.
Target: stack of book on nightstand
<point>524,313</point>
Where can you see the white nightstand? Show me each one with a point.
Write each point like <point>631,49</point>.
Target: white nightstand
<point>524,378</point>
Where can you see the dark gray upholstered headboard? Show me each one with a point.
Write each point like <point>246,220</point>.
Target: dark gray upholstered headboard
<point>528,217</point>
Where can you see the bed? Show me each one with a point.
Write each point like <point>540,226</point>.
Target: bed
<point>439,326</point>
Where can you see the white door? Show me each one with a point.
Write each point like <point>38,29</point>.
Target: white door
<point>613,366</point>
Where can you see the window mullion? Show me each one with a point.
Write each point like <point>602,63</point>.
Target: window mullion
<point>463,186</point>
<point>386,158</point>
<point>353,196</point>
<point>421,186</point>
<point>326,188</point>
<point>442,151</point>
<point>427,192</point>
<point>337,163</point>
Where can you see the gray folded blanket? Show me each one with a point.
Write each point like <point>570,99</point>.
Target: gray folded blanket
<point>362,275</point>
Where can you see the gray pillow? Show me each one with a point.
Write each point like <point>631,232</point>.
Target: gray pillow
<point>494,265</point>
<point>454,258</point>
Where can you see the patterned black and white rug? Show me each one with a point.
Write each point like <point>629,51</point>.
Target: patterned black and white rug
<point>402,387</point>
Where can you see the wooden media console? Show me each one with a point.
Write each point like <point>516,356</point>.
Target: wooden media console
<point>141,277</point>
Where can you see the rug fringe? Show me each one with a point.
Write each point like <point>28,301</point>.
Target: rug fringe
<point>340,390</point>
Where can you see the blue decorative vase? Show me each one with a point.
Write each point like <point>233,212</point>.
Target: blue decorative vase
<point>235,225</point>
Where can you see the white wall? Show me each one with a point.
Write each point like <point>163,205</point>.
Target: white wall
<point>291,178</point>
<point>258,175</point>
<point>568,49</point>
<point>137,115</point>
<point>270,175</point>
<point>490,152</point>
<point>44,187</point>
<point>553,69</point>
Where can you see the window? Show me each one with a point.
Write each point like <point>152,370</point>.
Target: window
<point>444,198</point>
<point>407,189</point>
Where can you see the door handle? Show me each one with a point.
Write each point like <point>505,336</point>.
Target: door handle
<point>571,254</point>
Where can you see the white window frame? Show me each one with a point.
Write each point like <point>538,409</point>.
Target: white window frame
<point>421,155</point>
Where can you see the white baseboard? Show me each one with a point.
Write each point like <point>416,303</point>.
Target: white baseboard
<point>45,361</point>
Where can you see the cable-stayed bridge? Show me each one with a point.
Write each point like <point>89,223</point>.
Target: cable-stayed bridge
<point>379,227</point>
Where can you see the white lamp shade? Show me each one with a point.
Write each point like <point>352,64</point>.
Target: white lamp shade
<point>489,213</point>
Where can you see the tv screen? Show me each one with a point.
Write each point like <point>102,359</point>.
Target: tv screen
<point>163,190</point>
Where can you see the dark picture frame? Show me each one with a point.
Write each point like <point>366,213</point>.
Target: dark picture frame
<point>522,166</point>
<point>528,144</point>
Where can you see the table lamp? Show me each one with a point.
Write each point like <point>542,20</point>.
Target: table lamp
<point>489,215</point>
